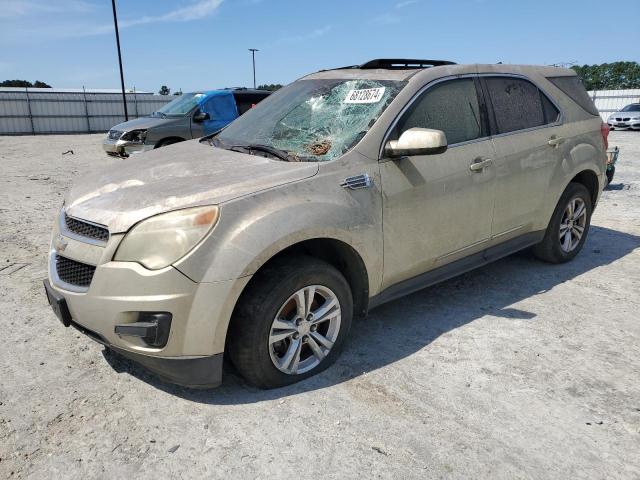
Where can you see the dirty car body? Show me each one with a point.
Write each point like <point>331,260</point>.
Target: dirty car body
<point>191,115</point>
<point>342,191</point>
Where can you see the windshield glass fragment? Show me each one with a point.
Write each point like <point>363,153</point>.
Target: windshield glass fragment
<point>314,120</point>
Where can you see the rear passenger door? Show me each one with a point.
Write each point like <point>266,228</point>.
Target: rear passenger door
<point>524,125</point>
<point>437,208</point>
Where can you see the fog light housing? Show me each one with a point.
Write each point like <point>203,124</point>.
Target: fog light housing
<point>152,327</point>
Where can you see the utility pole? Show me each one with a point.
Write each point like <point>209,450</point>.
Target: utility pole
<point>253,57</point>
<point>124,96</point>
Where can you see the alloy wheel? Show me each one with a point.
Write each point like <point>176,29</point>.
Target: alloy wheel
<point>573,224</point>
<point>304,330</point>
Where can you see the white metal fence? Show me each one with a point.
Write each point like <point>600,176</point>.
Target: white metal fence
<point>610,101</point>
<point>41,110</point>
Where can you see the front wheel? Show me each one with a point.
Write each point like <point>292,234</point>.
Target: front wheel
<point>291,322</point>
<point>167,141</point>
<point>569,226</point>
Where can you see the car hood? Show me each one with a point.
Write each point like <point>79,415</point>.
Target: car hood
<point>625,114</point>
<point>143,123</point>
<point>183,175</point>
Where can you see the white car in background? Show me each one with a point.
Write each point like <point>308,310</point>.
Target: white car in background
<point>628,117</point>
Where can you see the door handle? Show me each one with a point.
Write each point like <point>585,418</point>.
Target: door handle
<point>480,164</point>
<point>554,141</point>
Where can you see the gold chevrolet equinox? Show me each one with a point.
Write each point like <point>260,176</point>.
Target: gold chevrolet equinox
<point>346,189</point>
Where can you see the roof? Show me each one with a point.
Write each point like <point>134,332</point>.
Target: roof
<point>228,91</point>
<point>403,69</point>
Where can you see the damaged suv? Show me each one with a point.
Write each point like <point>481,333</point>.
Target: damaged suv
<point>346,189</point>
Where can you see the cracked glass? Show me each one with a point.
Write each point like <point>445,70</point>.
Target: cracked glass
<point>314,120</point>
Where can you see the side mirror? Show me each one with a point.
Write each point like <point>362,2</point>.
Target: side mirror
<point>417,141</point>
<point>201,116</point>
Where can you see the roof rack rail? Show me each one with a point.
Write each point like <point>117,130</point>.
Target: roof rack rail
<point>402,63</point>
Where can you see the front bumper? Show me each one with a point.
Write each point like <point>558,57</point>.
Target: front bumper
<point>196,372</point>
<point>122,293</point>
<point>124,148</point>
<point>623,125</point>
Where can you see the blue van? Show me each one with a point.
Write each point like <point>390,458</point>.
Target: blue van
<point>191,115</point>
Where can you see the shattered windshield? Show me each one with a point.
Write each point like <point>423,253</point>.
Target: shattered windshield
<point>181,105</point>
<point>313,120</point>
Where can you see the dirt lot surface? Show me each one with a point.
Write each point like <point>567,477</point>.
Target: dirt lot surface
<point>517,370</point>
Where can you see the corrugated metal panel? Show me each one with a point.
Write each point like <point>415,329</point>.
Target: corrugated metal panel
<point>610,101</point>
<point>46,111</point>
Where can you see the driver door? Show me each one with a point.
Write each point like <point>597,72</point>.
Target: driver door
<point>438,208</point>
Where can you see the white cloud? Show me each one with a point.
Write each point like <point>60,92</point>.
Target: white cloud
<point>316,33</point>
<point>195,11</point>
<point>75,27</point>
<point>19,8</point>
<point>406,3</point>
<point>385,19</point>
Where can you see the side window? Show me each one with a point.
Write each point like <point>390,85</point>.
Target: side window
<point>572,86</point>
<point>519,104</point>
<point>209,106</point>
<point>451,106</point>
<point>221,107</point>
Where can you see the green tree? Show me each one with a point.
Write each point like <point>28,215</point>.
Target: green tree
<point>610,76</point>
<point>272,87</point>
<point>24,83</point>
<point>164,90</point>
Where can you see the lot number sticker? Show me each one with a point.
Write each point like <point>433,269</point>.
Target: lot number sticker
<point>365,95</point>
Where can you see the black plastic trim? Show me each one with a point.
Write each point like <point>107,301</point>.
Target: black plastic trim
<point>456,268</point>
<point>200,372</point>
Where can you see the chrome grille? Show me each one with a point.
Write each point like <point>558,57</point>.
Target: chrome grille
<point>86,229</point>
<point>74,273</point>
<point>114,134</point>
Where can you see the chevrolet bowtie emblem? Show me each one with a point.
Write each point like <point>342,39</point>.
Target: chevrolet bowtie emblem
<point>59,243</point>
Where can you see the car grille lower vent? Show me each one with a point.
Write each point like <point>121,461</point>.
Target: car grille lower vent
<point>74,273</point>
<point>86,229</point>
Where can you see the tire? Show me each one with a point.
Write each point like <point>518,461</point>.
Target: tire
<point>610,173</point>
<point>554,247</point>
<point>252,343</point>
<point>167,141</point>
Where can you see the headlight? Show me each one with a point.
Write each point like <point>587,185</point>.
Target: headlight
<point>159,241</point>
<point>135,136</point>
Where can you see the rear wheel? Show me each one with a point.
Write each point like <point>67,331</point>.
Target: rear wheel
<point>569,226</point>
<point>291,323</point>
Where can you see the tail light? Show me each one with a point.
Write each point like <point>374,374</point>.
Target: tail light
<point>604,129</point>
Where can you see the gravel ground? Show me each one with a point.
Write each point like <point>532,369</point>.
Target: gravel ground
<point>517,370</point>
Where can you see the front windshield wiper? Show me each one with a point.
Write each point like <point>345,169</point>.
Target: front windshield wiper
<point>163,115</point>
<point>276,152</point>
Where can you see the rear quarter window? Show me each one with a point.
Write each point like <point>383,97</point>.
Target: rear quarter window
<point>573,88</point>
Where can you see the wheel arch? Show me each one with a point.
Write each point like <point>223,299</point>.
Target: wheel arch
<point>163,140</point>
<point>337,253</point>
<point>589,179</point>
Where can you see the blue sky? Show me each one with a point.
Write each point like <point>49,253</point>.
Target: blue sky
<point>196,44</point>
